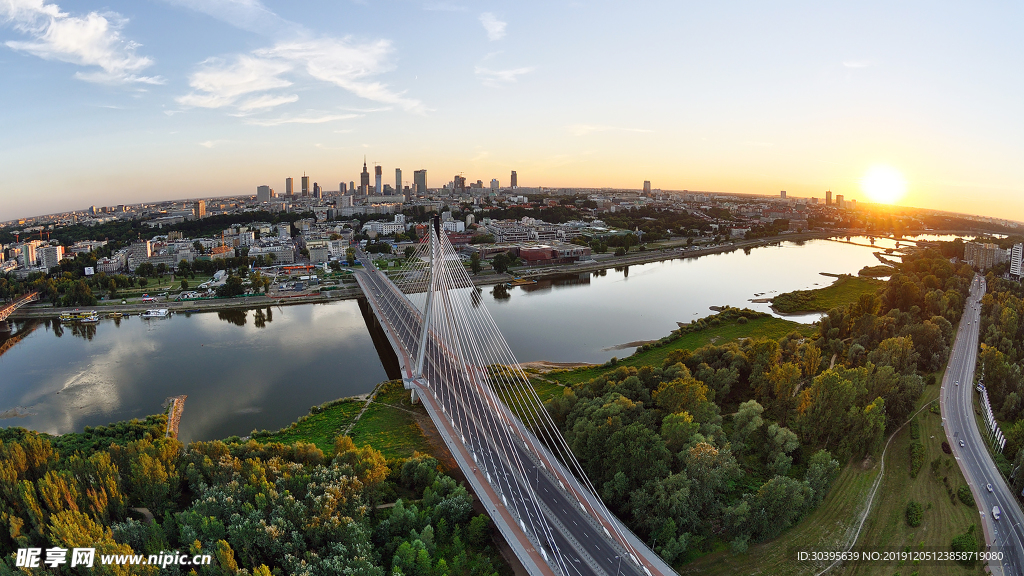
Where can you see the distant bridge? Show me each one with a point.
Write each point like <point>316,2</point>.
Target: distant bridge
<point>9,309</point>
<point>454,358</point>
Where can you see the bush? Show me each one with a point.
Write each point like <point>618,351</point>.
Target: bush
<point>966,542</point>
<point>742,320</point>
<point>965,496</point>
<point>916,458</point>
<point>914,514</point>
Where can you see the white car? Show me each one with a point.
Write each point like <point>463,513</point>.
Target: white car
<point>988,487</point>
<point>961,443</point>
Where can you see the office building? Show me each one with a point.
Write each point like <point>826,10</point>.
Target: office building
<point>199,210</point>
<point>351,187</point>
<point>828,198</point>
<point>514,182</point>
<point>305,185</point>
<point>647,186</point>
<point>264,193</point>
<point>419,182</point>
<point>377,183</point>
<point>460,183</point>
<point>782,194</point>
<point>364,180</point>
<point>342,189</point>
<point>288,190</point>
<point>398,180</point>
<point>494,184</point>
<point>317,192</point>
<point>839,201</point>
<point>1016,257</point>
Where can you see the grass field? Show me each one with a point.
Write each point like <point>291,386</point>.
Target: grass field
<point>845,290</point>
<point>834,523</point>
<point>769,327</point>
<point>320,429</point>
<point>389,425</point>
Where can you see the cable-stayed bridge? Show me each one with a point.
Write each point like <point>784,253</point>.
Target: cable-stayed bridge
<point>454,359</point>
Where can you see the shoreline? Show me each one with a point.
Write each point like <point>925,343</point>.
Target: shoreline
<point>351,293</point>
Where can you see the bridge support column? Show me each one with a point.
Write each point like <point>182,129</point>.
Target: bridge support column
<point>412,397</point>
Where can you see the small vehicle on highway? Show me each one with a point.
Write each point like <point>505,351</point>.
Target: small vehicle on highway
<point>996,512</point>
<point>988,487</point>
<point>961,443</point>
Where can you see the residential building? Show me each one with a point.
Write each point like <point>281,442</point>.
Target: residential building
<point>50,256</point>
<point>782,194</point>
<point>1016,257</point>
<point>494,184</point>
<point>264,193</point>
<point>647,186</point>
<point>199,210</point>
<point>828,198</point>
<point>981,256</point>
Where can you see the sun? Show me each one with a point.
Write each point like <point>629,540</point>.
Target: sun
<point>883,184</point>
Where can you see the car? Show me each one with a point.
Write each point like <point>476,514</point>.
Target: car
<point>961,443</point>
<point>988,487</point>
<point>996,512</point>
<point>957,382</point>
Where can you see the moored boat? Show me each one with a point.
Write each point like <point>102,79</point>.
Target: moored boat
<point>89,316</point>
<point>156,313</point>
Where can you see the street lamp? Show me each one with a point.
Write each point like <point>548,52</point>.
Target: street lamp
<point>619,565</point>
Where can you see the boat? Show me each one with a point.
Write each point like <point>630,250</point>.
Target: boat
<point>90,316</point>
<point>156,313</point>
<point>523,282</point>
<point>115,315</point>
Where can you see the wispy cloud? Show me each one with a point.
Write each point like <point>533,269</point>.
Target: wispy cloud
<point>584,129</point>
<point>212,143</point>
<point>91,40</point>
<point>315,118</point>
<point>495,28</point>
<point>343,62</point>
<point>856,63</point>
<point>497,78</point>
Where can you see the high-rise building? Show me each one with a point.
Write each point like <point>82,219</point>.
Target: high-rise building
<point>494,184</point>
<point>377,175</point>
<point>342,188</point>
<point>419,182</point>
<point>782,194</point>
<point>305,184</point>
<point>288,187</point>
<point>264,193</point>
<point>1017,260</point>
<point>828,198</point>
<point>50,256</point>
<point>839,201</point>
<point>317,192</point>
<point>198,210</point>
<point>398,180</point>
<point>982,256</point>
<point>351,187</point>
<point>460,183</point>
<point>514,182</point>
<point>364,180</point>
<point>647,186</point>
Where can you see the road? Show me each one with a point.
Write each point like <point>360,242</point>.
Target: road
<point>957,402</point>
<point>498,445</point>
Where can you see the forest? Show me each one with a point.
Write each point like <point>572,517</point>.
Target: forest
<point>256,508</point>
<point>730,444</point>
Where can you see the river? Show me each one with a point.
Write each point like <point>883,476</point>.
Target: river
<point>261,369</point>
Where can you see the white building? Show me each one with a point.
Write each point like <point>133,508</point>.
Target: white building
<point>1016,257</point>
<point>50,256</point>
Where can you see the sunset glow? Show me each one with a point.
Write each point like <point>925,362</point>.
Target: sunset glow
<point>884,185</point>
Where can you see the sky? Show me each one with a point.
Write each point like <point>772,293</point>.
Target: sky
<point>119,102</point>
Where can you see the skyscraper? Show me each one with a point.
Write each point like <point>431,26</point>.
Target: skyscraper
<point>828,198</point>
<point>494,185</point>
<point>351,186</point>
<point>419,182</point>
<point>782,194</point>
<point>378,185</point>
<point>317,193</point>
<point>305,184</point>
<point>647,186</point>
<point>341,188</point>
<point>515,181</point>
<point>289,187</point>
<point>199,209</point>
<point>364,180</point>
<point>398,180</point>
<point>839,201</point>
<point>264,193</point>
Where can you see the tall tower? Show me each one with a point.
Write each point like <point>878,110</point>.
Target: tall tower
<point>828,198</point>
<point>782,195</point>
<point>419,182</point>
<point>289,188</point>
<point>378,185</point>
<point>398,180</point>
<point>364,180</point>
<point>515,181</point>
<point>305,184</point>
<point>647,186</point>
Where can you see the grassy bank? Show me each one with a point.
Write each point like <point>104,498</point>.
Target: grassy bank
<point>728,331</point>
<point>845,290</point>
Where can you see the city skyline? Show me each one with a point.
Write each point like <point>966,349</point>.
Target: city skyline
<point>737,99</point>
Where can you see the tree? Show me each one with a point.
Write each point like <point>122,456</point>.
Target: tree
<point>185,269</point>
<point>821,471</point>
<point>746,421</point>
<point>684,393</point>
<point>143,282</point>
<point>184,284</point>
<point>145,269</point>
<point>500,263</point>
<point>474,263</point>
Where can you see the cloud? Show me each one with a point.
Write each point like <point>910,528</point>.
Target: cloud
<point>343,62</point>
<point>495,28</point>
<point>221,83</point>
<point>497,78</point>
<point>856,64</point>
<point>318,118</point>
<point>91,40</point>
<point>584,129</point>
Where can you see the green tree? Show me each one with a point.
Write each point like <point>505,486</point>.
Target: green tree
<point>474,263</point>
<point>500,263</point>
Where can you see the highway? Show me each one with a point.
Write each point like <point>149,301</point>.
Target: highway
<point>573,542</point>
<point>956,400</point>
